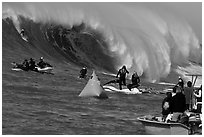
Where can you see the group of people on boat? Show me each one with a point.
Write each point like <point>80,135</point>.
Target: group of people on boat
<point>120,78</point>
<point>31,65</point>
<point>181,99</point>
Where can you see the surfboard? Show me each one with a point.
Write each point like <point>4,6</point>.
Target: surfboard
<point>126,91</point>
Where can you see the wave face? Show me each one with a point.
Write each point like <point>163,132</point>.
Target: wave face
<point>135,36</point>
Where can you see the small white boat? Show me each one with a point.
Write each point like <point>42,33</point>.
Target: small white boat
<point>126,91</point>
<point>153,127</point>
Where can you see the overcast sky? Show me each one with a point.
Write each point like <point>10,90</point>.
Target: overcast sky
<point>190,11</point>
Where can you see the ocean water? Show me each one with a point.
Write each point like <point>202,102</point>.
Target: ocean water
<point>73,37</point>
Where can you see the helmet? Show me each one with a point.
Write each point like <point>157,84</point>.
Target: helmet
<point>41,58</point>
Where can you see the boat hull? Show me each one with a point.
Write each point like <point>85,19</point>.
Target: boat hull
<point>161,128</point>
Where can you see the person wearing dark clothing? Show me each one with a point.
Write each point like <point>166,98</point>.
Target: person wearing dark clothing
<point>135,81</point>
<point>41,64</point>
<point>32,65</point>
<point>167,105</point>
<point>122,76</point>
<point>180,83</point>
<point>22,33</point>
<point>188,92</point>
<point>83,72</point>
<point>25,65</point>
<point>178,104</point>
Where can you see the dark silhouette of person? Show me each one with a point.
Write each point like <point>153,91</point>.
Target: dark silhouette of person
<point>167,105</point>
<point>122,76</point>
<point>22,33</point>
<point>178,104</point>
<point>25,65</point>
<point>135,81</point>
<point>32,64</point>
<point>41,63</point>
<point>181,83</point>
<point>188,92</point>
<point>83,72</point>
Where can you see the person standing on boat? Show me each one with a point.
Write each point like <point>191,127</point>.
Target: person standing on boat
<point>188,92</point>
<point>198,96</point>
<point>178,104</point>
<point>180,83</point>
<point>167,105</point>
<point>122,76</point>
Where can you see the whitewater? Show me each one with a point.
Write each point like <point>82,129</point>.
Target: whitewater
<point>142,38</point>
<point>159,44</point>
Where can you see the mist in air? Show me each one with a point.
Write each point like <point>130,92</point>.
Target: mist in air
<point>144,39</point>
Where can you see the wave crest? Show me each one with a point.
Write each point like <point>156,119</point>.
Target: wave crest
<point>144,40</point>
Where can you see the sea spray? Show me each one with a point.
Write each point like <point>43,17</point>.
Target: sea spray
<point>144,40</point>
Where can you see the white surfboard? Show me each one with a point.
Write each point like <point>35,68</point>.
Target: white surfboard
<point>126,91</point>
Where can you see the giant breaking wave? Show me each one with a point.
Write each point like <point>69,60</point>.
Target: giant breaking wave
<point>115,35</point>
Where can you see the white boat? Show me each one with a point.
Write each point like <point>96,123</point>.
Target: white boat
<point>153,127</point>
<point>126,91</point>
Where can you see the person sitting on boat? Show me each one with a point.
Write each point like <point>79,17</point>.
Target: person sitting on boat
<point>32,64</point>
<point>122,76</point>
<point>167,105</point>
<point>198,96</point>
<point>17,65</point>
<point>25,65</point>
<point>178,104</point>
<point>135,81</point>
<point>43,64</point>
<point>83,72</point>
<point>188,92</point>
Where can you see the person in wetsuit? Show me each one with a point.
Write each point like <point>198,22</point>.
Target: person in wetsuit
<point>135,81</point>
<point>83,72</point>
<point>122,76</point>
<point>32,65</point>
<point>41,63</point>
<point>25,65</point>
